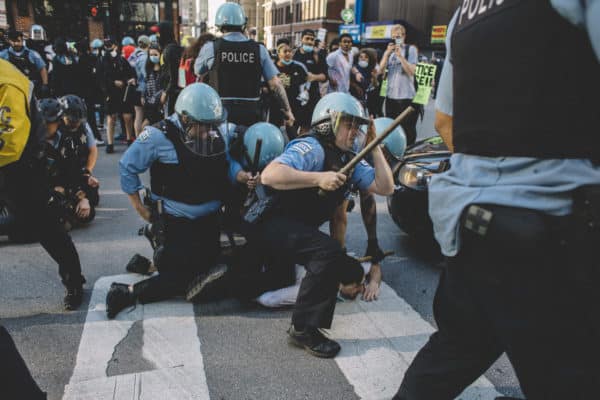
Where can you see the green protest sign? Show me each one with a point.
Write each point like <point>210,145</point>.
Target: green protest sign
<point>424,76</point>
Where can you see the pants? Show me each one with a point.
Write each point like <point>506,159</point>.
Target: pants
<point>286,242</point>
<point>242,112</point>
<point>91,118</point>
<point>26,188</point>
<point>393,108</point>
<point>191,247</point>
<point>15,378</point>
<point>529,288</point>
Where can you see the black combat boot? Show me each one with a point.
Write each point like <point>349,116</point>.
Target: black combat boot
<point>74,292</point>
<point>139,265</point>
<point>314,342</point>
<point>118,298</point>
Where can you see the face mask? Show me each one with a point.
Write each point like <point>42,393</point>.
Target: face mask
<point>286,62</point>
<point>113,53</point>
<point>400,41</point>
<point>154,59</point>
<point>307,48</point>
<point>363,64</point>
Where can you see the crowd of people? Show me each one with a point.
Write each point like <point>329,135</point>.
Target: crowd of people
<point>250,142</point>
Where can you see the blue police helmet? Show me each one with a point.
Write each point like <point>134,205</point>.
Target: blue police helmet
<point>127,41</point>
<point>395,142</point>
<point>74,107</point>
<point>272,143</point>
<point>50,109</point>
<point>336,104</point>
<point>201,103</point>
<point>97,44</point>
<point>230,14</point>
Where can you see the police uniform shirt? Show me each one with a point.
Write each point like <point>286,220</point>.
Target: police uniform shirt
<point>537,184</point>
<point>34,57</point>
<point>206,57</point>
<point>90,141</point>
<point>307,154</point>
<point>153,145</point>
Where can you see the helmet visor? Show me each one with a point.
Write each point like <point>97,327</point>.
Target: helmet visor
<point>203,139</point>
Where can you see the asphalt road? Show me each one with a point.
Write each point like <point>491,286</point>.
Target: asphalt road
<point>243,352</point>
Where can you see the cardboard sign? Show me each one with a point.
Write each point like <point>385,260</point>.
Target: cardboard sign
<point>321,34</point>
<point>424,75</point>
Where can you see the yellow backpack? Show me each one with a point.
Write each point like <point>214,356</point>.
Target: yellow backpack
<point>15,126</point>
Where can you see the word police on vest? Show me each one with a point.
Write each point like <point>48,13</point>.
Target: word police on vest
<point>471,8</point>
<point>237,57</point>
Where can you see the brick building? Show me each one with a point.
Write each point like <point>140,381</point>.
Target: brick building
<point>288,18</point>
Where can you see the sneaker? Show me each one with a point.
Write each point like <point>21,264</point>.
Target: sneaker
<point>201,285</point>
<point>139,265</point>
<point>73,298</point>
<point>100,142</point>
<point>118,298</point>
<point>314,342</point>
<point>110,148</point>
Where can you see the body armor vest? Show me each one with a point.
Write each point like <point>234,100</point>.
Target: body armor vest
<point>525,82</point>
<point>195,179</point>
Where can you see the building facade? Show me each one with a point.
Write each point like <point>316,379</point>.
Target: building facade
<point>288,18</point>
<point>93,19</point>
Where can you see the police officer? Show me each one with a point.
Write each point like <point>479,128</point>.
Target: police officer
<point>289,230</point>
<point>29,62</point>
<point>517,210</point>
<point>236,65</point>
<point>73,152</point>
<point>314,60</point>
<point>189,175</point>
<point>22,166</point>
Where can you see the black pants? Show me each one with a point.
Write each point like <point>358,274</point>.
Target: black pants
<point>26,188</point>
<point>529,288</point>
<point>393,108</point>
<point>91,117</point>
<point>191,247</point>
<point>15,378</point>
<point>242,112</point>
<point>288,241</point>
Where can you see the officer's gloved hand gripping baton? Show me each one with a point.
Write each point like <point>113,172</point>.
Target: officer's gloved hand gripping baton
<point>369,147</point>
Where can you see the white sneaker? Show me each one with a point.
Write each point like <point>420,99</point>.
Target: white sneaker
<point>100,142</point>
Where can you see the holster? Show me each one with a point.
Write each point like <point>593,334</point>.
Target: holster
<point>259,205</point>
<point>156,230</point>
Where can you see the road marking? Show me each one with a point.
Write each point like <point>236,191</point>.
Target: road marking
<point>379,340</point>
<point>170,342</point>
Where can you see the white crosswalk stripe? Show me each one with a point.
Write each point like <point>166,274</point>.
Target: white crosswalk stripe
<point>379,340</point>
<point>170,343</point>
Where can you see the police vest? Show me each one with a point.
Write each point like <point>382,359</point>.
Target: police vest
<point>65,163</point>
<point>24,64</point>
<point>307,205</point>
<point>236,71</point>
<point>15,125</point>
<point>195,179</point>
<point>525,80</point>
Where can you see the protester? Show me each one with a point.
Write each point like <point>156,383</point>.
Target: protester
<point>170,67</point>
<point>117,74</point>
<point>368,68</point>
<point>137,60</point>
<point>154,95</point>
<point>400,60</point>
<point>89,88</point>
<point>66,77</point>
<point>340,65</point>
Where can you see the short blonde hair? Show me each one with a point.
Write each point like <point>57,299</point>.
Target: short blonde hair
<point>397,28</point>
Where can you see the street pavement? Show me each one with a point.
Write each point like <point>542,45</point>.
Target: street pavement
<point>227,350</point>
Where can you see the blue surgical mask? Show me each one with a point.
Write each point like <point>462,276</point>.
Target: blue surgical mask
<point>363,64</point>
<point>286,62</point>
<point>307,48</point>
<point>155,59</point>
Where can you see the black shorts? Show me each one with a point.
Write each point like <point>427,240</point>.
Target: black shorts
<point>115,105</point>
